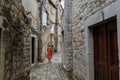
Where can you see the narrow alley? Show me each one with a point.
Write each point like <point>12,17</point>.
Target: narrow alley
<point>48,71</point>
<point>59,39</point>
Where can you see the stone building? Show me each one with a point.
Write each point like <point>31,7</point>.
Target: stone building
<point>14,41</point>
<point>52,21</point>
<point>60,13</point>
<point>67,57</point>
<point>49,24</point>
<point>45,27</point>
<point>34,14</point>
<point>56,24</point>
<point>92,39</point>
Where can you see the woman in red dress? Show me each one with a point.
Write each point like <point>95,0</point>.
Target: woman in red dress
<point>49,54</point>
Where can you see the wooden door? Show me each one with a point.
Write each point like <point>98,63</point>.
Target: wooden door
<point>106,51</point>
<point>113,63</point>
<point>100,50</point>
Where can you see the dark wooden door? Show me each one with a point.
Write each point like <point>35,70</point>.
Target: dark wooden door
<point>100,50</point>
<point>106,51</point>
<point>113,63</point>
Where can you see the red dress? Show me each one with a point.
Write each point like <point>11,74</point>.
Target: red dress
<point>49,55</point>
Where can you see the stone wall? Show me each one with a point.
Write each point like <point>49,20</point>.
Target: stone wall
<point>60,11</point>
<point>82,10</point>
<point>1,55</point>
<point>59,39</point>
<point>45,42</point>
<point>67,27</point>
<point>16,40</point>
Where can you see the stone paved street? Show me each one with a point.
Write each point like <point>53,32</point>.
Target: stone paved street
<point>47,71</point>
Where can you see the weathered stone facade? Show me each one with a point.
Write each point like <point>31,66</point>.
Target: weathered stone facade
<point>60,13</point>
<point>50,11</point>
<point>67,44</point>
<point>15,44</point>
<point>84,14</point>
<point>34,15</point>
<point>82,10</point>
<point>44,27</point>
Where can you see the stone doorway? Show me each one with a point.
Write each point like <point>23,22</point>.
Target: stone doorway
<point>106,63</point>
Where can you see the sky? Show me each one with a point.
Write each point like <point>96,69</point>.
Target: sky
<point>62,3</point>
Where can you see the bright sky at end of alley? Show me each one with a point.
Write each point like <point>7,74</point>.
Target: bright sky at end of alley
<point>62,3</point>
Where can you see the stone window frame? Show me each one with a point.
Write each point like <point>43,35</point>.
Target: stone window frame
<point>104,14</point>
<point>44,18</point>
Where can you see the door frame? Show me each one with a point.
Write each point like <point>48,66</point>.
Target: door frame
<point>2,56</point>
<point>104,15</point>
<point>104,26</point>
<point>35,51</point>
<point>2,51</point>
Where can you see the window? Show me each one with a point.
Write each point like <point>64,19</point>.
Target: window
<point>52,10</point>
<point>44,18</point>
<point>52,28</point>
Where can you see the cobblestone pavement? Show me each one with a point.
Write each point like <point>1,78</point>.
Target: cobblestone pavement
<point>47,71</point>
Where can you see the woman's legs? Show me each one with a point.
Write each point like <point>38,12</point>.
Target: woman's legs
<point>49,60</point>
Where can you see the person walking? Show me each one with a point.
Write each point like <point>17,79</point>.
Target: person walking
<point>49,53</point>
